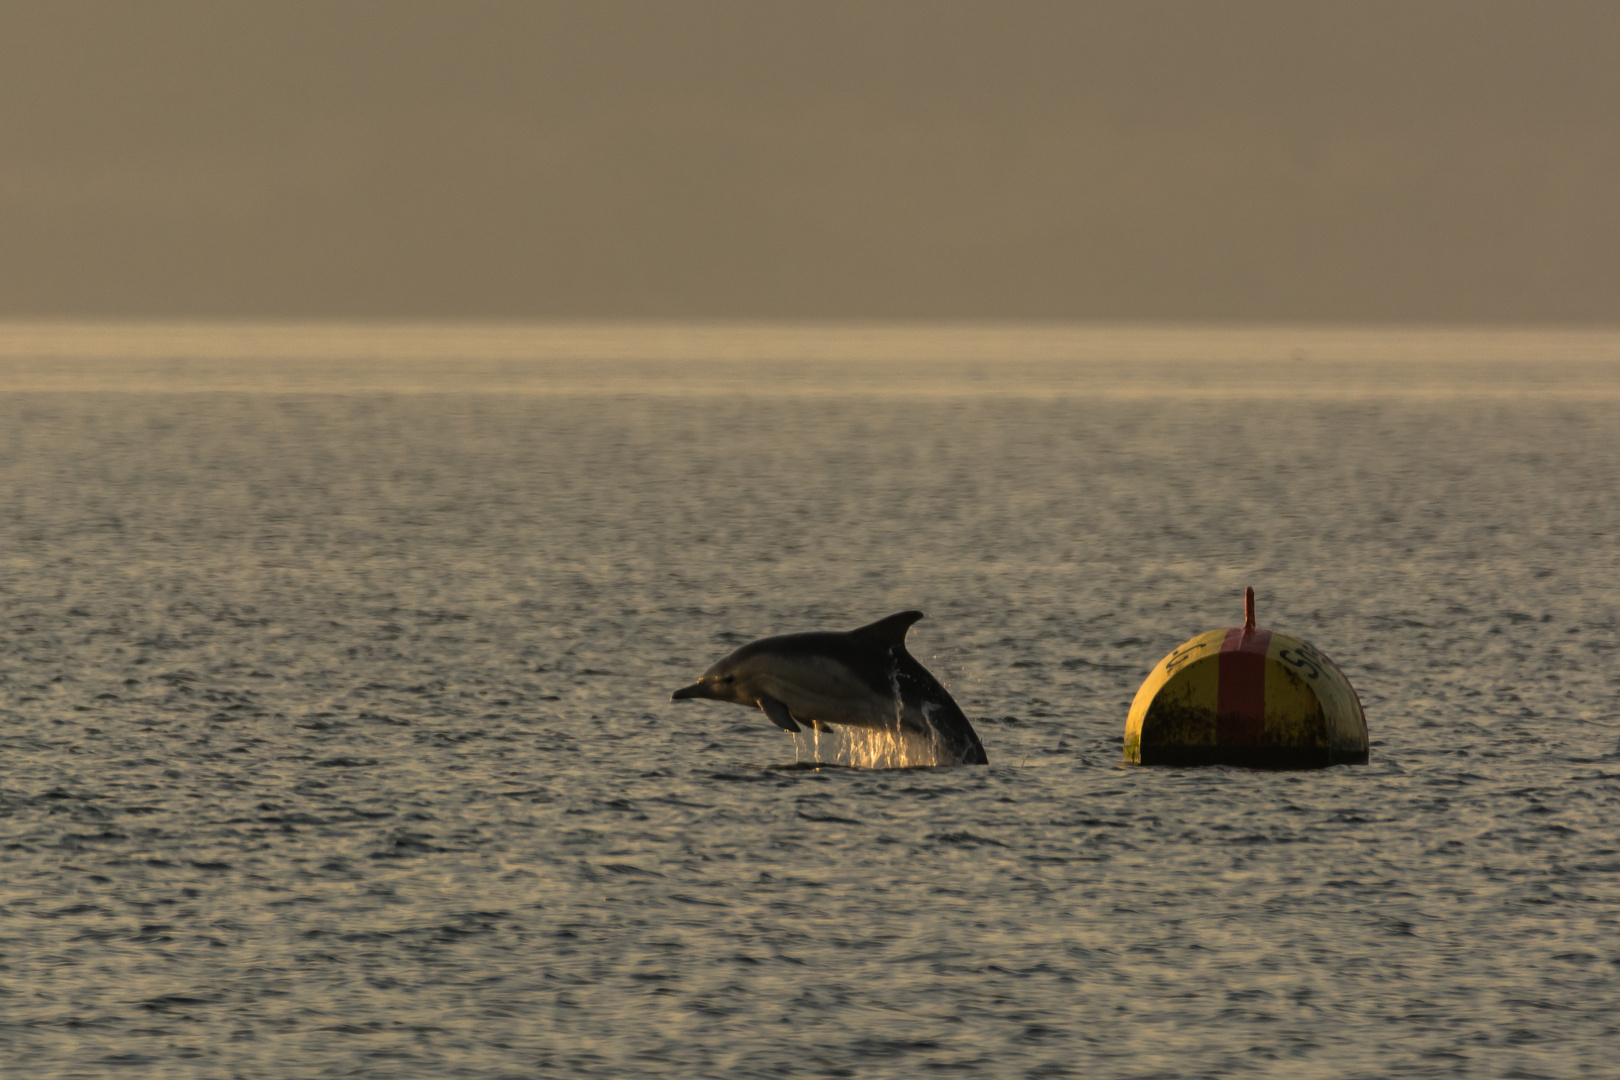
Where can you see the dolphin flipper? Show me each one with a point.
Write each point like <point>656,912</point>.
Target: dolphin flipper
<point>778,713</point>
<point>810,722</point>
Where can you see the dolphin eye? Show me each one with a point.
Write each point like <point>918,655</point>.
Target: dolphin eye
<point>729,678</point>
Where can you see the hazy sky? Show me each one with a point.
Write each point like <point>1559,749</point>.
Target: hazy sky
<point>1361,160</point>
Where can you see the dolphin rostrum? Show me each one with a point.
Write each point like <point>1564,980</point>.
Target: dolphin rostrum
<point>862,678</point>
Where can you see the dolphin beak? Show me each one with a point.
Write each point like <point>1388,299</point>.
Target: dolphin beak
<point>696,690</point>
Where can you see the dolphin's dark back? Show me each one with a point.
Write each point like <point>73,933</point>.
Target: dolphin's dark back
<point>870,651</point>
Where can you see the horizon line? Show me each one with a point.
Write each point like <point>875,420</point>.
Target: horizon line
<point>821,322</point>
<point>55,342</point>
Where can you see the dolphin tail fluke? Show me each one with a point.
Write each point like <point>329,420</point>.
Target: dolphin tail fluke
<point>891,631</point>
<point>956,734</point>
<point>973,752</point>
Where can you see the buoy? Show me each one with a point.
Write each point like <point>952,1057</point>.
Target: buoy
<point>1248,696</point>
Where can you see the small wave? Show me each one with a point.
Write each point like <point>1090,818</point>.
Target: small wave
<point>965,839</point>
<point>833,818</point>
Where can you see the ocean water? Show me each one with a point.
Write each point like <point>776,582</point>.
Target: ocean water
<point>336,740</point>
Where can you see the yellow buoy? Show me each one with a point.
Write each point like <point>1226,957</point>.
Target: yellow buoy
<point>1246,696</point>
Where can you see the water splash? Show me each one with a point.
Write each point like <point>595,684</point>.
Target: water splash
<point>867,748</point>
<point>888,747</point>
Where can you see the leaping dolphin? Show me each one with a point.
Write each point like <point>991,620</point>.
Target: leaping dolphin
<point>862,678</point>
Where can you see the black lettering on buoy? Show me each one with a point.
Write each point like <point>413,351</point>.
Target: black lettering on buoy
<point>1182,655</point>
<point>1305,665</point>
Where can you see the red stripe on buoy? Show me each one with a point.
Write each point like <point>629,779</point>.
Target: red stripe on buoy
<point>1240,706</point>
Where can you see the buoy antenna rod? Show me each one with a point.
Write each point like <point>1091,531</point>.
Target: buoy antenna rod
<point>1248,608</point>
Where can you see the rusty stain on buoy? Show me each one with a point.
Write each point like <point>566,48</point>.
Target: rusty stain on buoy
<point>1250,696</point>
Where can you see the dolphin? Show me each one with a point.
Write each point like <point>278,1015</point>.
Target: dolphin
<point>861,678</point>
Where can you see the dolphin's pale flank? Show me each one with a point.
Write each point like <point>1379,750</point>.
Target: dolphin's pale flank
<point>861,678</point>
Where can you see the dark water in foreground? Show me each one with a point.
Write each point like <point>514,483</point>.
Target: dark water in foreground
<point>335,740</point>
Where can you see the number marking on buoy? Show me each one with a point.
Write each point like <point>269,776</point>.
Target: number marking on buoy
<point>1304,662</point>
<point>1182,655</point>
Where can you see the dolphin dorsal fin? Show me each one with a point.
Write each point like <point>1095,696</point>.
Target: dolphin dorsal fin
<point>890,631</point>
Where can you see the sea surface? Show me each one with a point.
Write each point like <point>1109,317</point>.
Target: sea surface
<point>336,740</point>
